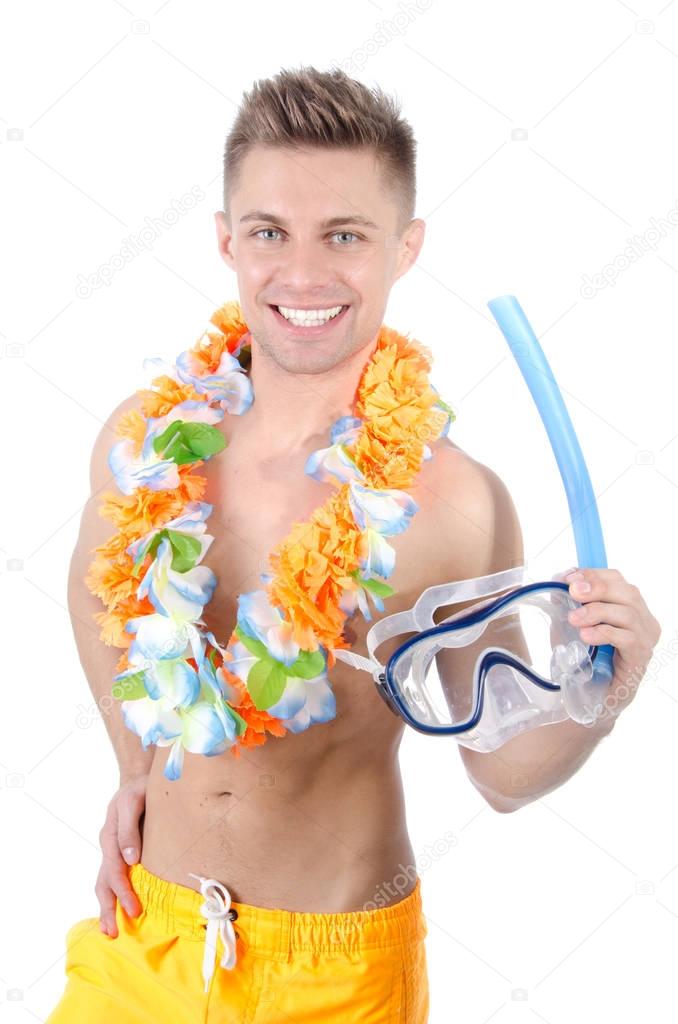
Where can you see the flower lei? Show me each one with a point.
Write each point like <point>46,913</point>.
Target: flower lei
<point>178,686</point>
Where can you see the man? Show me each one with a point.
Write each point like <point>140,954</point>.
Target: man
<point>303,831</point>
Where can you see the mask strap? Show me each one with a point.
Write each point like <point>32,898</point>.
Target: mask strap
<point>462,590</point>
<point>420,616</point>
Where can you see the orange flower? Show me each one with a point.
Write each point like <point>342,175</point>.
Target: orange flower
<point>258,722</point>
<point>232,327</point>
<point>162,401</point>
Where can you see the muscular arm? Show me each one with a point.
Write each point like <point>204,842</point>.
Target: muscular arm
<point>484,536</point>
<point>97,658</point>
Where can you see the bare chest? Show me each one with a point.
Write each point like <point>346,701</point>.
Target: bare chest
<point>255,505</point>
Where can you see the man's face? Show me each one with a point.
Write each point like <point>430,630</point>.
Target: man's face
<point>285,254</point>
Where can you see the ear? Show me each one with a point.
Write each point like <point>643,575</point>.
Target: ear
<point>224,236</point>
<point>409,246</point>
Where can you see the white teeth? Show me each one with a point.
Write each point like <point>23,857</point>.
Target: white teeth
<point>309,317</point>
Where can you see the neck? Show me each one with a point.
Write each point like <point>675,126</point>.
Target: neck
<point>292,410</point>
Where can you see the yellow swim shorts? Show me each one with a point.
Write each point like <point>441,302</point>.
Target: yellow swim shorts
<point>196,957</point>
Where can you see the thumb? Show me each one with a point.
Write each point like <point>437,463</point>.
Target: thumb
<point>129,835</point>
<point>559,577</point>
<point>131,854</point>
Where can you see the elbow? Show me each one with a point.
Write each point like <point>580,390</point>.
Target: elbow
<point>499,802</point>
<point>503,807</point>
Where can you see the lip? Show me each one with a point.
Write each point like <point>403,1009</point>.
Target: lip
<point>308,332</point>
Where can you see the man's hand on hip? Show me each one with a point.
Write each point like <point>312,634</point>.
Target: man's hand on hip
<point>120,840</point>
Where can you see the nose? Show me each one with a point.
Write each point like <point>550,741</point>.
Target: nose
<point>306,269</point>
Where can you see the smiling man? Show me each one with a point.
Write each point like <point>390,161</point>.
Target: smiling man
<point>280,885</point>
<point>313,288</point>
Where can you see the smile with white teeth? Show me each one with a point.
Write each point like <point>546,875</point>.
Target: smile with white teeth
<point>309,317</point>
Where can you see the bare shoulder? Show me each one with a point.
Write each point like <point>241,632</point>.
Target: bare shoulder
<point>99,471</point>
<point>469,516</point>
<point>95,530</point>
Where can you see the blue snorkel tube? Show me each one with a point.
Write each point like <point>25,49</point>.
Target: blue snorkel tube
<point>534,367</point>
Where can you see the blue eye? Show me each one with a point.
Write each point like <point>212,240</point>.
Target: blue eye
<point>275,231</point>
<point>347,233</point>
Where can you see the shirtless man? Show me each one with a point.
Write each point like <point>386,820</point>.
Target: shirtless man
<point>313,822</point>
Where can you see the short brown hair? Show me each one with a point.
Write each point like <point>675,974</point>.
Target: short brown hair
<point>306,107</point>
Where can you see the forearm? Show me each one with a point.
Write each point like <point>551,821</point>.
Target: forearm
<point>535,762</point>
<point>99,663</point>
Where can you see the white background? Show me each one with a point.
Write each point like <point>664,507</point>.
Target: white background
<point>546,141</point>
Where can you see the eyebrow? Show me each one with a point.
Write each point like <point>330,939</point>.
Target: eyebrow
<point>331,223</point>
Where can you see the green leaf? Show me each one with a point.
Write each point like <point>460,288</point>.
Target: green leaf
<point>203,439</point>
<point>446,408</point>
<point>266,682</point>
<point>240,723</point>
<point>378,588</point>
<point>253,645</point>
<point>185,442</point>
<point>308,665</point>
<point>155,543</point>
<point>130,688</point>
<point>169,444</point>
<point>163,440</point>
<point>374,586</point>
<point>185,549</point>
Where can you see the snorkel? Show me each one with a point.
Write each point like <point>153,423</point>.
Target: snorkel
<point>588,533</point>
<point>522,664</point>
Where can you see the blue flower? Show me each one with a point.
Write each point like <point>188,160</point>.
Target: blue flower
<point>203,728</point>
<point>335,462</point>
<point>191,522</point>
<point>262,621</point>
<point>305,702</point>
<point>179,594</point>
<point>228,384</point>
<point>150,469</point>
<point>380,513</point>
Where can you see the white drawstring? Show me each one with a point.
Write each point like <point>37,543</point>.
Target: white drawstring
<point>217,910</point>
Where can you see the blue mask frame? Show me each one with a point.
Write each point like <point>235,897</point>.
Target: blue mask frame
<point>590,553</point>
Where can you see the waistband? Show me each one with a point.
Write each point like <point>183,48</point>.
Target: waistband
<point>278,934</point>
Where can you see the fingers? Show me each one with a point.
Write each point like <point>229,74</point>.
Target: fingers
<point>113,882</point>
<point>107,903</point>
<point>130,807</point>
<point>559,577</point>
<point>595,612</point>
